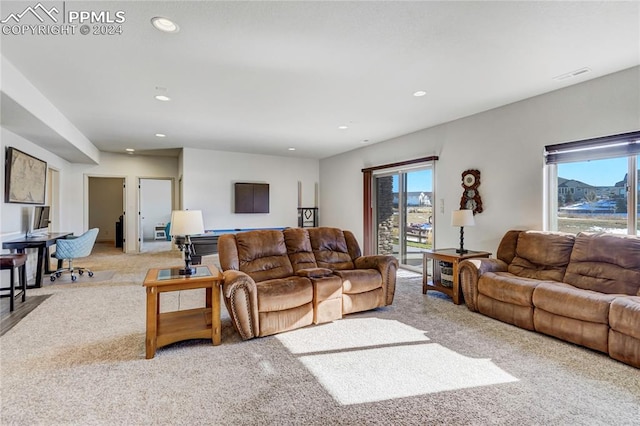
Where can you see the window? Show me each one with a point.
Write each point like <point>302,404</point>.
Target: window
<point>592,185</point>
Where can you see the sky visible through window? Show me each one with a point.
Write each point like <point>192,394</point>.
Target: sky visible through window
<point>418,181</point>
<point>595,173</point>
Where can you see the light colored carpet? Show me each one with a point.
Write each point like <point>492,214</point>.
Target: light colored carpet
<point>79,359</point>
<point>65,278</point>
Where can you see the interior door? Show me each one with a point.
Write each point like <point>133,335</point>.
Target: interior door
<point>155,197</point>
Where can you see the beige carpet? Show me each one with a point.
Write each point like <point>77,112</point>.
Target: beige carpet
<point>79,359</point>
<point>65,278</point>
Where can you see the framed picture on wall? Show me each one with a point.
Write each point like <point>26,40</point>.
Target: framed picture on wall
<point>25,178</point>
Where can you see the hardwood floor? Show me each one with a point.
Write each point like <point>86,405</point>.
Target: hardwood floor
<point>9,319</point>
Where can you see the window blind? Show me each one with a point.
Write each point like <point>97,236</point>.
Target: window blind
<point>622,145</point>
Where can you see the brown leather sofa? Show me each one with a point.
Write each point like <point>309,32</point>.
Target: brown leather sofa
<point>582,288</point>
<point>276,281</point>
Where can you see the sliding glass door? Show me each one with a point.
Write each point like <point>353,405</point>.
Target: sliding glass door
<point>404,214</point>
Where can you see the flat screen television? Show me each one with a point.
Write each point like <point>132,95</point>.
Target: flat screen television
<point>40,219</point>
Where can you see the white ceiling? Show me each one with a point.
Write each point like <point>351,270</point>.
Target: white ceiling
<point>261,77</point>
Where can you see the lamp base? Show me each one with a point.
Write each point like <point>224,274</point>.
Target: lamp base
<point>461,250</point>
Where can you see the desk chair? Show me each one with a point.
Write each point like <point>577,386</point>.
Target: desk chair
<point>13,262</point>
<point>73,248</point>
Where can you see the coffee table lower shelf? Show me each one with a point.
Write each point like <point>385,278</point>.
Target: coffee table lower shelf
<point>430,285</point>
<point>183,325</point>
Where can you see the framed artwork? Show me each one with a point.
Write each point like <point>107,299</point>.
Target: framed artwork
<point>25,178</point>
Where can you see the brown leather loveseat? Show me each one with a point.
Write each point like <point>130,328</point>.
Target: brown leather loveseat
<point>276,281</point>
<point>582,288</point>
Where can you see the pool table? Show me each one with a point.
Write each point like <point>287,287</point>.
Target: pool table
<point>207,243</point>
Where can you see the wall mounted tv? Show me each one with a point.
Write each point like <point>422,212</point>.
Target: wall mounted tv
<point>251,197</point>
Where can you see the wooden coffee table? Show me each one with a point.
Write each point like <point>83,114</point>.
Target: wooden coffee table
<point>170,327</point>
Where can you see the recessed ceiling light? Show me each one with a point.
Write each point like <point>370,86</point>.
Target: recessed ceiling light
<point>292,149</point>
<point>343,127</point>
<point>130,150</point>
<point>164,24</point>
<point>419,93</point>
<point>162,98</point>
<point>161,135</point>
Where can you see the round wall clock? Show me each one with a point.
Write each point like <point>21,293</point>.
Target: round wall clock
<point>470,196</point>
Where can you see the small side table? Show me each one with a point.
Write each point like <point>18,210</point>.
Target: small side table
<point>170,327</point>
<point>447,255</point>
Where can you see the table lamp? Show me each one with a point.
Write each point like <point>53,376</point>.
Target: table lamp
<point>462,218</point>
<point>186,223</point>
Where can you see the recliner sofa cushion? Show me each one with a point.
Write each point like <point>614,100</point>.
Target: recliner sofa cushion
<point>359,280</point>
<point>299,249</point>
<point>509,288</point>
<point>605,263</point>
<point>568,301</point>
<point>284,293</point>
<point>263,255</point>
<point>542,255</point>
<point>330,249</point>
<point>624,316</point>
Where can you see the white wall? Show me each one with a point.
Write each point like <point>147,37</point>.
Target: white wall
<point>129,167</point>
<point>505,144</point>
<point>208,178</point>
<point>15,217</point>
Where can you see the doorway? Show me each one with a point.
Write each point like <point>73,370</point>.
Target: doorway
<point>106,209</point>
<point>53,197</point>
<point>155,196</point>
<point>404,214</point>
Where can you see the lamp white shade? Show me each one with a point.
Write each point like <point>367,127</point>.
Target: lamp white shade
<point>462,218</point>
<point>186,222</point>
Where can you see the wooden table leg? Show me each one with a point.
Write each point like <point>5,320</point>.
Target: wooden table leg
<point>152,322</point>
<point>455,296</point>
<point>40,267</point>
<point>208,297</point>
<point>216,326</point>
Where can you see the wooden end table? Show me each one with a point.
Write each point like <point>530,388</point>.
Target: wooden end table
<point>447,255</point>
<point>170,327</point>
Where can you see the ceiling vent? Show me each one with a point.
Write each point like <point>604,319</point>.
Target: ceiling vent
<point>572,74</point>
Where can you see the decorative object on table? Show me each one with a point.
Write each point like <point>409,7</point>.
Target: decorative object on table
<point>307,217</point>
<point>25,178</point>
<point>462,218</point>
<point>74,248</point>
<point>446,274</point>
<point>470,196</point>
<point>185,223</point>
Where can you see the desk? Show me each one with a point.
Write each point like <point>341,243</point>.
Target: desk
<point>42,243</point>
<point>169,327</point>
<point>449,256</point>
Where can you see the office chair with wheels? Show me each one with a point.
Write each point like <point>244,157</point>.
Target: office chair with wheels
<point>73,248</point>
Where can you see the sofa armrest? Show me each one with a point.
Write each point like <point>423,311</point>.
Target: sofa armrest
<point>387,266</point>
<point>470,271</point>
<point>240,295</point>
